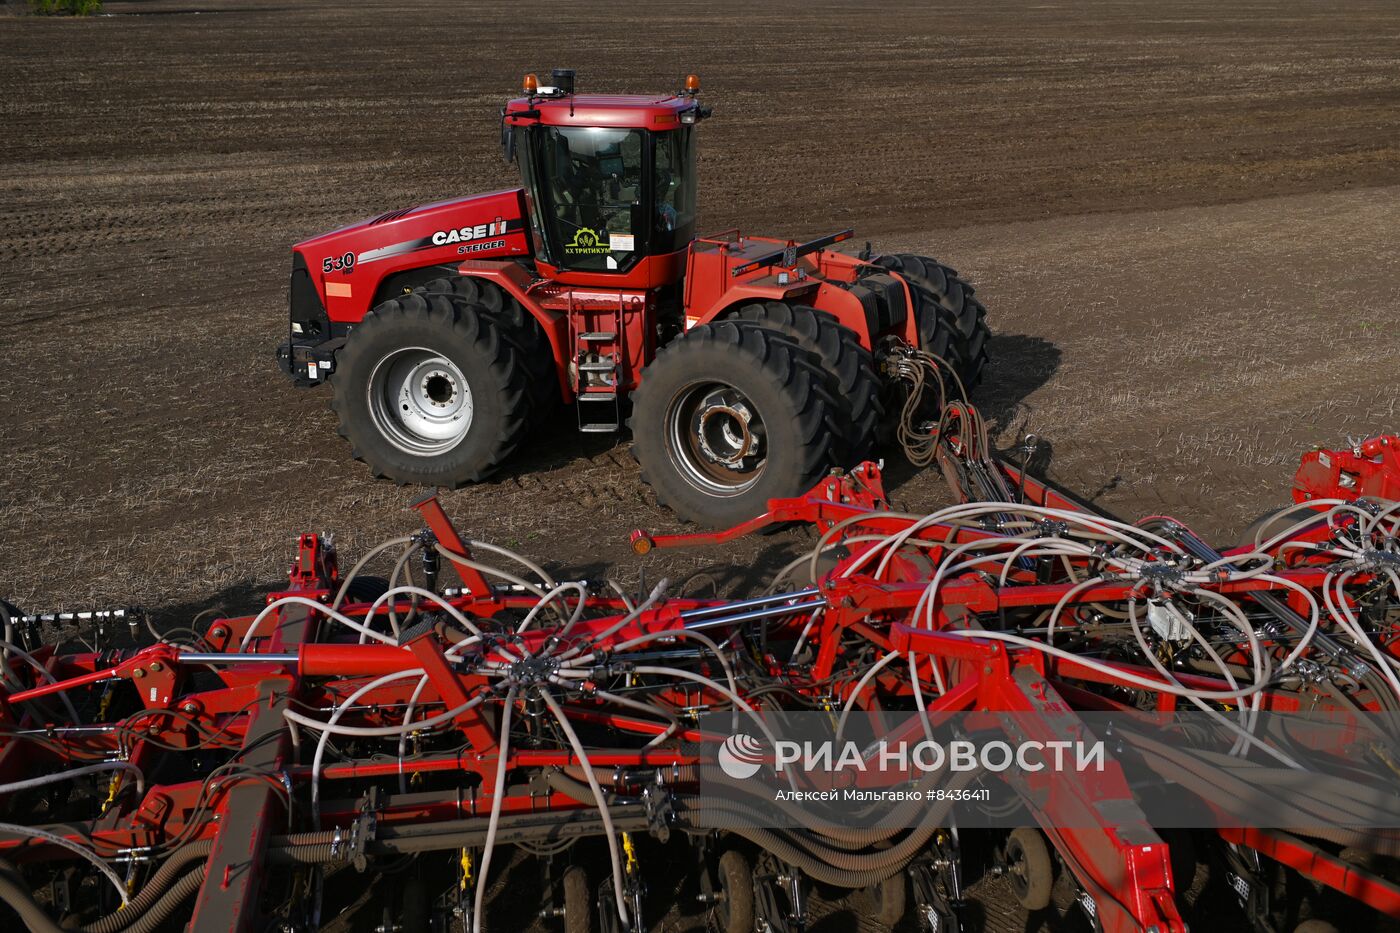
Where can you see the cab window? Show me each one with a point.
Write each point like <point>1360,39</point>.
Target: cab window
<point>675,190</point>
<point>594,187</point>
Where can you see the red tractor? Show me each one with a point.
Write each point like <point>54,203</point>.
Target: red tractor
<point>751,365</point>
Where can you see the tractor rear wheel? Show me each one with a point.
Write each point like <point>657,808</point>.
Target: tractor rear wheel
<point>850,368</point>
<point>727,417</point>
<point>952,323</point>
<point>428,391</point>
<point>517,326</point>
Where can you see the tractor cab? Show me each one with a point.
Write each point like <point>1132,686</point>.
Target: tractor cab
<point>609,180</point>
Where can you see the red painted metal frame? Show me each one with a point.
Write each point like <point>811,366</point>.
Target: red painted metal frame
<point>1371,468</point>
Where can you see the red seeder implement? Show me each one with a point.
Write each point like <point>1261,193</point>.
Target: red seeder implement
<point>365,753</point>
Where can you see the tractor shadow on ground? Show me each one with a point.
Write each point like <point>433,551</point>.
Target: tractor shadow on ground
<point>557,442</point>
<point>238,600</point>
<point>1019,365</point>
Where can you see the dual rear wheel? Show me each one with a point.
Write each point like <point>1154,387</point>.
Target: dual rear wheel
<point>729,416</point>
<point>952,323</point>
<point>716,438</point>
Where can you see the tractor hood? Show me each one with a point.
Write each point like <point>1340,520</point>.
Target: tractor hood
<point>351,267</point>
<point>505,205</point>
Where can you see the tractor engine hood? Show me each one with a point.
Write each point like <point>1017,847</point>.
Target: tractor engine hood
<point>351,267</point>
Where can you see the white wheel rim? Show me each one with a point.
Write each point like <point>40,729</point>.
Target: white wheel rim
<point>420,401</point>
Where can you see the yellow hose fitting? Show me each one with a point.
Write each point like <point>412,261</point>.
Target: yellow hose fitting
<point>466,864</point>
<point>631,853</point>
<point>112,786</point>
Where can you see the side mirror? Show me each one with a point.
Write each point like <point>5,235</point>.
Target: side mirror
<point>508,141</point>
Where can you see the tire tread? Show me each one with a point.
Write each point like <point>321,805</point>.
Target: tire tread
<point>849,368</point>
<point>797,374</point>
<point>952,321</point>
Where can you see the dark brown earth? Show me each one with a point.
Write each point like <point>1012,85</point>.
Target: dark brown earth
<point>1182,216</point>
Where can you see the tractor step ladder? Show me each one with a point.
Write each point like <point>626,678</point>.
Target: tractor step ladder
<point>599,409</point>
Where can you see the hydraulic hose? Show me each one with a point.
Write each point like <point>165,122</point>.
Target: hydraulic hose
<point>58,776</point>
<point>843,869</point>
<point>11,648</point>
<point>492,571</point>
<point>498,793</point>
<point>18,898</point>
<point>876,861</point>
<point>598,797</point>
<point>1208,781</point>
<point>507,553</point>
<point>91,857</point>
<point>7,676</point>
<point>360,564</point>
<point>566,781</point>
<point>304,854</point>
<point>160,882</point>
<point>160,911</point>
<point>574,789</point>
<point>300,847</point>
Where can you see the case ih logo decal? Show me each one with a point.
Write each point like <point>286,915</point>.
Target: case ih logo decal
<point>444,237</point>
<point>495,228</point>
<point>586,242</point>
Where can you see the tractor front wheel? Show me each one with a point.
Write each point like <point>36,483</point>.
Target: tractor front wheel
<point>516,326</point>
<point>728,417</point>
<point>429,392</point>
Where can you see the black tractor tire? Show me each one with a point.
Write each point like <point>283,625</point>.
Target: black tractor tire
<point>1030,868</point>
<point>687,428</point>
<point>414,905</point>
<point>464,337</point>
<point>850,367</point>
<point>952,322</point>
<point>517,326</point>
